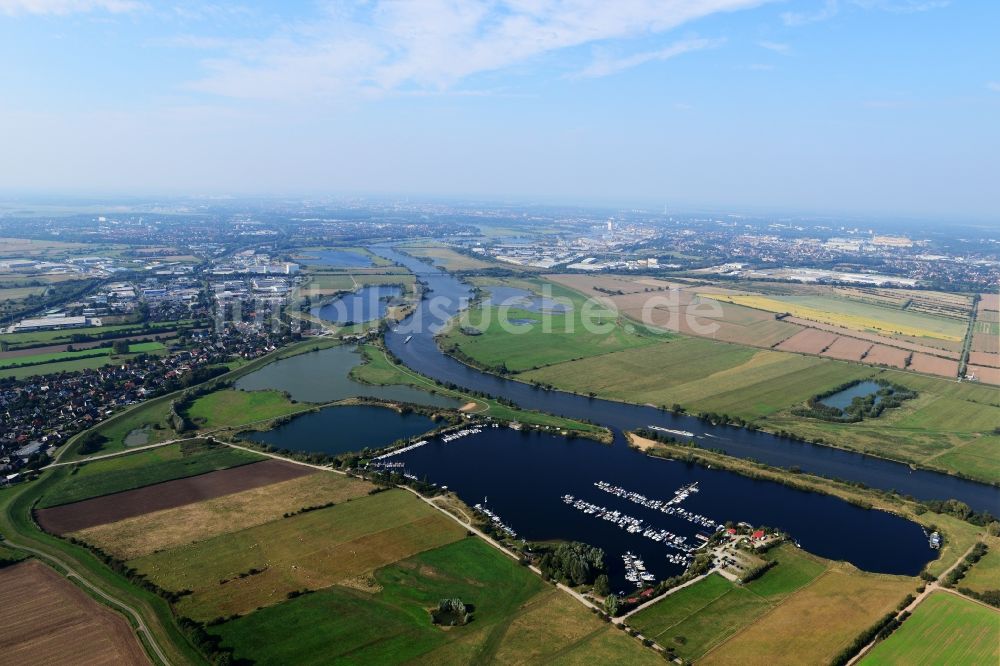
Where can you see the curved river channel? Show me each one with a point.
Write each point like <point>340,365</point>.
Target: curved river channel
<point>524,476</point>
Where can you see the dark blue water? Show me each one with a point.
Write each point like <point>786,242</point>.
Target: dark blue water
<point>524,476</point>
<point>343,429</point>
<point>449,295</point>
<point>364,305</point>
<point>337,258</point>
<point>843,399</point>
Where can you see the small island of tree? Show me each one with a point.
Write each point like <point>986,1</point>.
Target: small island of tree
<point>451,613</point>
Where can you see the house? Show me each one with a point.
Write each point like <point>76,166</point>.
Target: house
<point>758,535</point>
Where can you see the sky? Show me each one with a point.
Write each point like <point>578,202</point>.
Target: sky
<point>881,107</point>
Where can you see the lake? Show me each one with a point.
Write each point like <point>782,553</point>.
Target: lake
<point>323,376</point>
<point>843,399</point>
<point>336,430</point>
<point>366,304</point>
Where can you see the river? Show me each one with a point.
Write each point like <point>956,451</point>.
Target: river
<point>448,295</point>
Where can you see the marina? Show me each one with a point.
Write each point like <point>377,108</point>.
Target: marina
<point>669,506</point>
<point>495,520</point>
<point>405,449</point>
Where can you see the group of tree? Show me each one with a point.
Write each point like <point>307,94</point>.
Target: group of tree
<point>573,563</point>
<point>451,612</point>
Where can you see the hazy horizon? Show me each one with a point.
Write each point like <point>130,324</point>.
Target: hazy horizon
<point>867,108</point>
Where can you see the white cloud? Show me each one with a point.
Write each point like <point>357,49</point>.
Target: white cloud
<point>832,7</point>
<point>605,65</point>
<point>994,86</point>
<point>777,47</point>
<point>65,7</point>
<point>829,10</point>
<point>389,45</point>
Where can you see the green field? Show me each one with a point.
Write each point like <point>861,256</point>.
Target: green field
<point>700,616</point>
<point>552,338</point>
<point>20,293</point>
<point>702,375</point>
<point>795,568</point>
<point>52,357</point>
<point>311,550</point>
<point>448,258</point>
<point>944,629</point>
<point>229,408</point>
<point>985,574</point>
<point>516,618</point>
<point>33,338</point>
<point>172,461</point>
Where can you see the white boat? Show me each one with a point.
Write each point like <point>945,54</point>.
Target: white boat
<point>408,338</point>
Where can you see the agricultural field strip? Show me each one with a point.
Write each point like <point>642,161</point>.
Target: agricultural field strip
<point>868,318</point>
<point>169,528</point>
<point>51,357</point>
<point>48,619</point>
<point>111,508</point>
<point>944,628</point>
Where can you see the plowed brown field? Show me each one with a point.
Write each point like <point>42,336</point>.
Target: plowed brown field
<point>167,495</point>
<point>46,619</point>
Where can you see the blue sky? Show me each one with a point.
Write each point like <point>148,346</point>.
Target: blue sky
<point>882,107</point>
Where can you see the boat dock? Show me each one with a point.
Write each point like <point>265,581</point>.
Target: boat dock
<point>670,507</point>
<point>415,445</point>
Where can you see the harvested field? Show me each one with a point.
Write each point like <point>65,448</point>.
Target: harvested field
<point>939,348</point>
<point>985,339</point>
<point>167,495</point>
<point>848,349</point>
<point>989,316</point>
<point>933,365</point>
<point>311,550</point>
<point>142,535</point>
<point>984,359</point>
<point>48,620</point>
<point>600,285</point>
<point>890,356</point>
<point>843,603</point>
<point>808,341</point>
<point>985,374</point>
<point>989,302</point>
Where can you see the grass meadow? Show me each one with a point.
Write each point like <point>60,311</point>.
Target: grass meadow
<point>944,629</point>
<point>516,618</point>
<point>311,550</point>
<point>173,461</point>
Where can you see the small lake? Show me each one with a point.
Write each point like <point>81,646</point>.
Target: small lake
<point>522,299</point>
<point>323,376</point>
<point>365,304</point>
<point>843,399</point>
<point>343,429</point>
<point>336,258</point>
